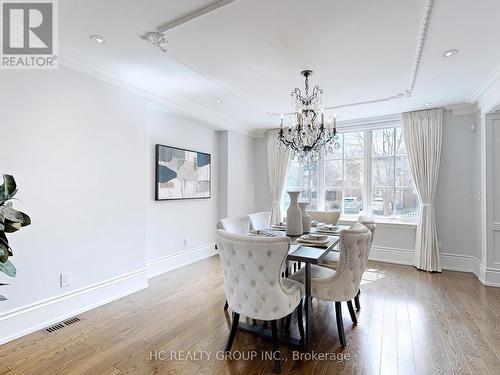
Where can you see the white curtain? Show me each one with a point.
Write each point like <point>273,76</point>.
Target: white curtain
<point>423,138</point>
<point>278,160</point>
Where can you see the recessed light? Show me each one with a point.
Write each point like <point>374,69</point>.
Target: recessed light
<point>427,104</point>
<point>218,101</point>
<point>450,52</point>
<point>97,38</point>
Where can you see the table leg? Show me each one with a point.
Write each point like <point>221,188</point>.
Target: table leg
<point>307,305</point>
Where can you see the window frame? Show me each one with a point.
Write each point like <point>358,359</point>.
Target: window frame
<point>367,187</point>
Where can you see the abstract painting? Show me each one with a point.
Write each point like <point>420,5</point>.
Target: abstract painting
<point>182,174</point>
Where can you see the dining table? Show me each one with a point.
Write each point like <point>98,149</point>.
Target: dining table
<point>306,254</point>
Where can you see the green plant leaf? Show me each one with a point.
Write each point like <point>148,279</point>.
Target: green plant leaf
<point>10,214</point>
<point>8,268</point>
<point>11,227</point>
<point>26,219</point>
<point>9,186</point>
<point>2,298</point>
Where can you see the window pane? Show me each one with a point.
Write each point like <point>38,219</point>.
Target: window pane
<point>383,171</point>
<point>400,143</point>
<point>403,174</point>
<point>353,172</point>
<point>383,142</point>
<point>338,149</point>
<point>353,145</point>
<point>333,200</point>
<point>311,196</point>
<point>382,201</point>
<point>353,201</point>
<point>406,205</point>
<point>333,173</point>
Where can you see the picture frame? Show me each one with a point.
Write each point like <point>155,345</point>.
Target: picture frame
<point>182,173</point>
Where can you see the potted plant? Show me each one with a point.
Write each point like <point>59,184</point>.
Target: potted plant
<point>10,221</point>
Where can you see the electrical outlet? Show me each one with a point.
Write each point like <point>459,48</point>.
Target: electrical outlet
<point>186,242</point>
<point>65,279</point>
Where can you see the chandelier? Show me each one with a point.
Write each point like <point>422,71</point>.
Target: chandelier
<point>308,136</point>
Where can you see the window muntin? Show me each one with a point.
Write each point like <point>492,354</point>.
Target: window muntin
<point>341,180</point>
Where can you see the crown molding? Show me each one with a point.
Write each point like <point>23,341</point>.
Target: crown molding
<point>463,108</point>
<point>485,85</point>
<point>75,61</point>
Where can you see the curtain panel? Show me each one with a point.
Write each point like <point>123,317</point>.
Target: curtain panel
<point>278,159</point>
<point>423,132</point>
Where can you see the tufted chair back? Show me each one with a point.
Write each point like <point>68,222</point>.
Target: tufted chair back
<point>370,224</point>
<point>252,275</point>
<point>326,217</point>
<point>354,248</point>
<point>260,220</point>
<point>238,225</point>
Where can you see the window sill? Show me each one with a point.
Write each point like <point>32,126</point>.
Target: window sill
<point>348,220</point>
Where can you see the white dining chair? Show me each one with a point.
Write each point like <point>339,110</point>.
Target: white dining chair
<point>325,217</point>
<point>342,284</point>
<point>239,225</point>
<point>253,283</point>
<point>331,260</point>
<point>260,220</point>
<point>236,225</point>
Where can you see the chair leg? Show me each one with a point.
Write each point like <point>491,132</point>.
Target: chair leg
<point>340,323</point>
<point>226,305</point>
<point>299,320</point>
<point>234,328</point>
<point>276,351</point>
<point>352,313</point>
<point>288,321</point>
<point>356,301</point>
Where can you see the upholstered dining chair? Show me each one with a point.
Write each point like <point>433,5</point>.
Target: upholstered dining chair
<point>326,217</point>
<point>239,225</point>
<point>253,283</point>
<point>342,284</point>
<point>260,220</point>
<point>332,258</point>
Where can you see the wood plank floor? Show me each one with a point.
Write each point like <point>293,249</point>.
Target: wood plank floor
<point>411,322</point>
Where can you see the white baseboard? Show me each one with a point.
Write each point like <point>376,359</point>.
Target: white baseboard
<point>392,255</point>
<point>457,262</point>
<point>171,262</point>
<point>27,319</point>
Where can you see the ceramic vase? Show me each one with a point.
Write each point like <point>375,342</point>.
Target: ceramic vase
<point>306,218</point>
<point>294,215</point>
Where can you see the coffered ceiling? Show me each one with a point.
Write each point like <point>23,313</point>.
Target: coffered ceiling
<point>249,54</point>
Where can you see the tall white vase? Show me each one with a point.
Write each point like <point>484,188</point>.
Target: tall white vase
<point>294,215</point>
<point>306,218</point>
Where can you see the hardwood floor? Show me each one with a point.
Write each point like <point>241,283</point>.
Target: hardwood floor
<point>410,322</point>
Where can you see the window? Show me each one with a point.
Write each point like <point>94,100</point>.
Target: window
<point>368,171</point>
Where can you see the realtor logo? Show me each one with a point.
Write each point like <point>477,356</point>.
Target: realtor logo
<point>29,34</point>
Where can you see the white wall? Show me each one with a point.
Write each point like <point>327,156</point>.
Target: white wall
<point>263,198</point>
<point>457,197</point>
<point>239,176</point>
<point>82,152</point>
<point>170,223</point>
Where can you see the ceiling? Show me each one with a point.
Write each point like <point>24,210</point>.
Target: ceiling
<point>249,54</point>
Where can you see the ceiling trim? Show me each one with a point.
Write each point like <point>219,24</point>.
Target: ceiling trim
<point>485,85</point>
<point>408,92</point>
<point>75,61</point>
<point>192,15</point>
